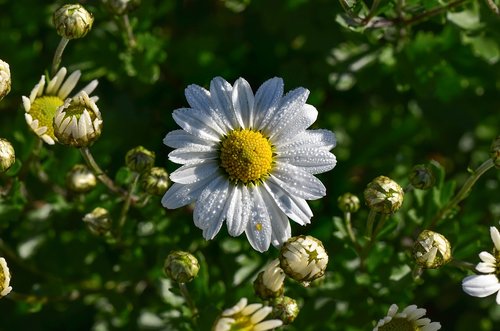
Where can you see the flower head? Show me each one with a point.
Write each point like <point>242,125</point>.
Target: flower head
<point>155,181</point>
<point>72,21</point>
<point>422,177</point>
<point>248,159</point>
<point>488,282</point>
<point>410,319</point>
<point>431,249</point>
<point>98,221</point>
<point>270,282</point>
<point>40,108</point>
<point>286,309</point>
<point>140,159</point>
<point>181,266</point>
<point>304,259</point>
<point>7,155</point>
<point>384,195</point>
<point>243,317</point>
<point>5,80</point>
<point>78,121</point>
<point>5,287</point>
<point>348,203</point>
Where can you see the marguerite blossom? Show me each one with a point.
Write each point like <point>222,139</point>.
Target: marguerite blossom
<point>243,317</point>
<point>5,287</point>
<point>248,159</point>
<point>487,283</point>
<point>409,319</point>
<point>40,108</point>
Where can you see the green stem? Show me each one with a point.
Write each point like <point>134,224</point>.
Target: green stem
<point>464,191</point>
<point>126,204</point>
<point>130,34</point>
<point>369,223</point>
<point>89,159</point>
<point>352,235</point>
<point>435,11</point>
<point>58,55</point>
<point>189,301</point>
<point>463,265</point>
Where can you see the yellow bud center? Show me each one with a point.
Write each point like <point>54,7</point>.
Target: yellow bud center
<point>246,156</point>
<point>399,324</point>
<point>44,109</point>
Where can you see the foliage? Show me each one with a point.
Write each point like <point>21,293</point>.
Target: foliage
<point>399,82</point>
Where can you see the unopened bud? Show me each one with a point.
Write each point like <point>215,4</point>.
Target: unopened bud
<point>5,80</point>
<point>139,159</point>
<point>5,287</point>
<point>7,155</point>
<point>348,203</point>
<point>98,221</point>
<point>384,195</point>
<point>155,181</point>
<point>78,121</point>
<point>303,258</point>
<point>270,282</point>
<point>121,7</point>
<point>431,250</point>
<point>181,267</point>
<point>72,21</point>
<point>80,179</point>
<point>286,309</point>
<point>495,152</point>
<point>422,177</point>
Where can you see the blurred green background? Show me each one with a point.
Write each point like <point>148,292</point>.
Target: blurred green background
<point>412,91</point>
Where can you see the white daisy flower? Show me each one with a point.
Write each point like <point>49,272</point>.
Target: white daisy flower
<point>411,318</point>
<point>243,317</point>
<point>5,80</point>
<point>40,108</point>
<point>4,278</point>
<point>248,159</point>
<point>488,283</point>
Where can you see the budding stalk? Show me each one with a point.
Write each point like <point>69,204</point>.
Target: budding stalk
<point>181,267</point>
<point>72,21</point>
<point>383,195</point>
<point>7,155</point>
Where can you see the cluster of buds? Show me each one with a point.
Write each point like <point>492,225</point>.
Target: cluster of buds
<point>5,81</point>
<point>181,267</point>
<point>78,121</point>
<point>98,221</point>
<point>72,21</point>
<point>431,250</point>
<point>7,155</point>
<point>348,203</point>
<point>5,287</point>
<point>80,179</point>
<point>383,195</point>
<point>303,258</point>
<point>422,177</point>
<point>155,181</point>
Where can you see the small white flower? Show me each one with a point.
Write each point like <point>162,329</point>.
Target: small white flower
<point>270,282</point>
<point>488,283</point>
<point>4,278</point>
<point>248,159</point>
<point>40,108</point>
<point>243,317</point>
<point>5,80</point>
<point>411,318</point>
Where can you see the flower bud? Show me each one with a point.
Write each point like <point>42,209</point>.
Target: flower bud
<point>98,221</point>
<point>139,159</point>
<point>155,181</point>
<point>303,258</point>
<point>7,155</point>
<point>286,309</point>
<point>5,81</point>
<point>4,278</point>
<point>384,195</point>
<point>270,282</point>
<point>72,21</point>
<point>348,203</point>
<point>181,267</point>
<point>431,250</point>
<point>80,179</point>
<point>78,121</point>
<point>495,152</point>
<point>422,177</point>
<point>121,7</point>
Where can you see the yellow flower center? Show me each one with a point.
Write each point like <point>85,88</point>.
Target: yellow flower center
<point>246,156</point>
<point>242,323</point>
<point>399,324</point>
<point>43,109</point>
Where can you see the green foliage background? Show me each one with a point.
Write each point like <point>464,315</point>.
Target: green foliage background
<point>412,92</point>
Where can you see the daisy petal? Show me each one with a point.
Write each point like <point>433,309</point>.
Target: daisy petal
<point>298,182</point>
<point>317,139</point>
<point>180,138</point>
<point>314,161</point>
<point>304,119</point>
<point>267,99</point>
<point>298,212</point>
<point>480,285</point>
<point>238,210</point>
<point>243,102</point>
<point>259,229</point>
<point>281,230</point>
<point>193,154</point>
<point>197,123</point>
<point>69,84</point>
<point>220,92</point>
<point>194,172</point>
<point>495,237</point>
<point>208,213</point>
